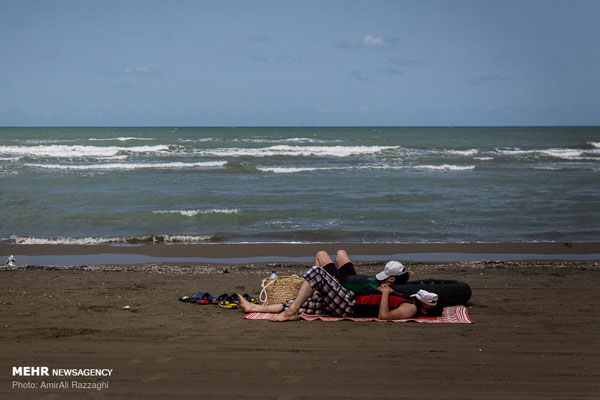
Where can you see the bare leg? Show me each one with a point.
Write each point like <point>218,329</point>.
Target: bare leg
<point>246,306</point>
<point>342,258</point>
<point>322,258</point>
<point>292,313</point>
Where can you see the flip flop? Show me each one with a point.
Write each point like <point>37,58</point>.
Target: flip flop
<point>222,297</point>
<point>250,298</point>
<point>230,302</point>
<point>187,299</point>
<point>204,298</point>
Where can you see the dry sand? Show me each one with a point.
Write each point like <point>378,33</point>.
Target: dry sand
<point>535,335</point>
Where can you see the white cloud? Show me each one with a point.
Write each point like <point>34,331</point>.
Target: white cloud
<point>373,41</point>
<point>369,41</point>
<point>140,71</point>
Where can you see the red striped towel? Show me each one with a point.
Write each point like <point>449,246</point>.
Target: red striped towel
<point>450,315</point>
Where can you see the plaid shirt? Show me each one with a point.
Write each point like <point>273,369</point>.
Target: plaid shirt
<point>329,297</point>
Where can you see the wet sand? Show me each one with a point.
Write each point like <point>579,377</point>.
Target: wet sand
<point>535,335</point>
<point>248,250</point>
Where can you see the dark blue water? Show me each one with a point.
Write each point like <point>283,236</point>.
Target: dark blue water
<point>96,185</point>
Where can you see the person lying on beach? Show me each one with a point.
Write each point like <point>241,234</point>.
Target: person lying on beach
<point>393,272</point>
<point>322,294</point>
<point>343,270</point>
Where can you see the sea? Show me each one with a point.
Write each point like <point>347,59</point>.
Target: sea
<point>299,185</point>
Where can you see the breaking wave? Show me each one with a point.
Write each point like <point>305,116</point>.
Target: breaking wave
<point>291,170</point>
<point>130,166</point>
<point>120,139</point>
<point>62,151</point>
<point>149,239</point>
<point>286,150</point>
<point>191,213</point>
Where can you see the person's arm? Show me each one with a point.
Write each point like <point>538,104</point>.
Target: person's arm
<point>405,310</point>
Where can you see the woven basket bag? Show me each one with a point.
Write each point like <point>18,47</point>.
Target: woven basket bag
<point>281,289</point>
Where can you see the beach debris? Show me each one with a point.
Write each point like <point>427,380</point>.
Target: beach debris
<point>226,270</point>
<point>129,308</point>
<point>10,261</point>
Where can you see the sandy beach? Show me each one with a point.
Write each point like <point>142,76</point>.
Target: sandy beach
<point>534,335</point>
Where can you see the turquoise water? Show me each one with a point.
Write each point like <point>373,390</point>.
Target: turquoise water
<point>130,185</point>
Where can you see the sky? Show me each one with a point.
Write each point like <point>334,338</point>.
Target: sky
<point>299,63</point>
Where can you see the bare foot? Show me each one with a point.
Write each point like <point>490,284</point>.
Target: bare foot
<point>245,305</point>
<point>286,315</point>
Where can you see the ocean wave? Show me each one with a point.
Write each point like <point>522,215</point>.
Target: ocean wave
<point>567,168</point>
<point>199,140</point>
<point>444,167</point>
<point>10,158</point>
<point>258,140</point>
<point>120,139</point>
<point>469,152</point>
<point>130,166</point>
<point>567,154</point>
<point>62,151</point>
<point>286,150</point>
<point>290,170</point>
<point>595,144</point>
<point>191,213</point>
<point>45,141</point>
<point>286,140</point>
<point>149,239</point>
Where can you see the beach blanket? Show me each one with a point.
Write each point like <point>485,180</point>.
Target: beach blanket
<point>450,315</point>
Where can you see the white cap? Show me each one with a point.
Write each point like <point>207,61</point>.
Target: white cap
<point>425,297</point>
<point>391,268</point>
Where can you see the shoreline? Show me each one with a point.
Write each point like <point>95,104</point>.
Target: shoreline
<point>239,253</point>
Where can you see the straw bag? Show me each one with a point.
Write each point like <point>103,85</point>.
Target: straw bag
<point>281,289</point>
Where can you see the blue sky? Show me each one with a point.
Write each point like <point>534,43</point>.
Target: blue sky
<point>273,63</point>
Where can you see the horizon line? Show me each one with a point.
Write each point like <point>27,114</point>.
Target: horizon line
<point>299,126</point>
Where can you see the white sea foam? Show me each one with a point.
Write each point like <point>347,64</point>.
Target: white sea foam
<point>62,151</point>
<point>130,166</point>
<point>484,158</point>
<point>186,238</point>
<point>10,158</point>
<point>120,139</point>
<point>286,150</point>
<point>595,144</point>
<point>287,140</point>
<point>191,213</point>
<point>445,167</point>
<point>567,168</point>
<point>514,152</point>
<point>121,157</point>
<point>567,154</point>
<point>463,152</point>
<point>291,170</point>
<point>199,140</point>
<point>81,241</point>
<point>90,241</point>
